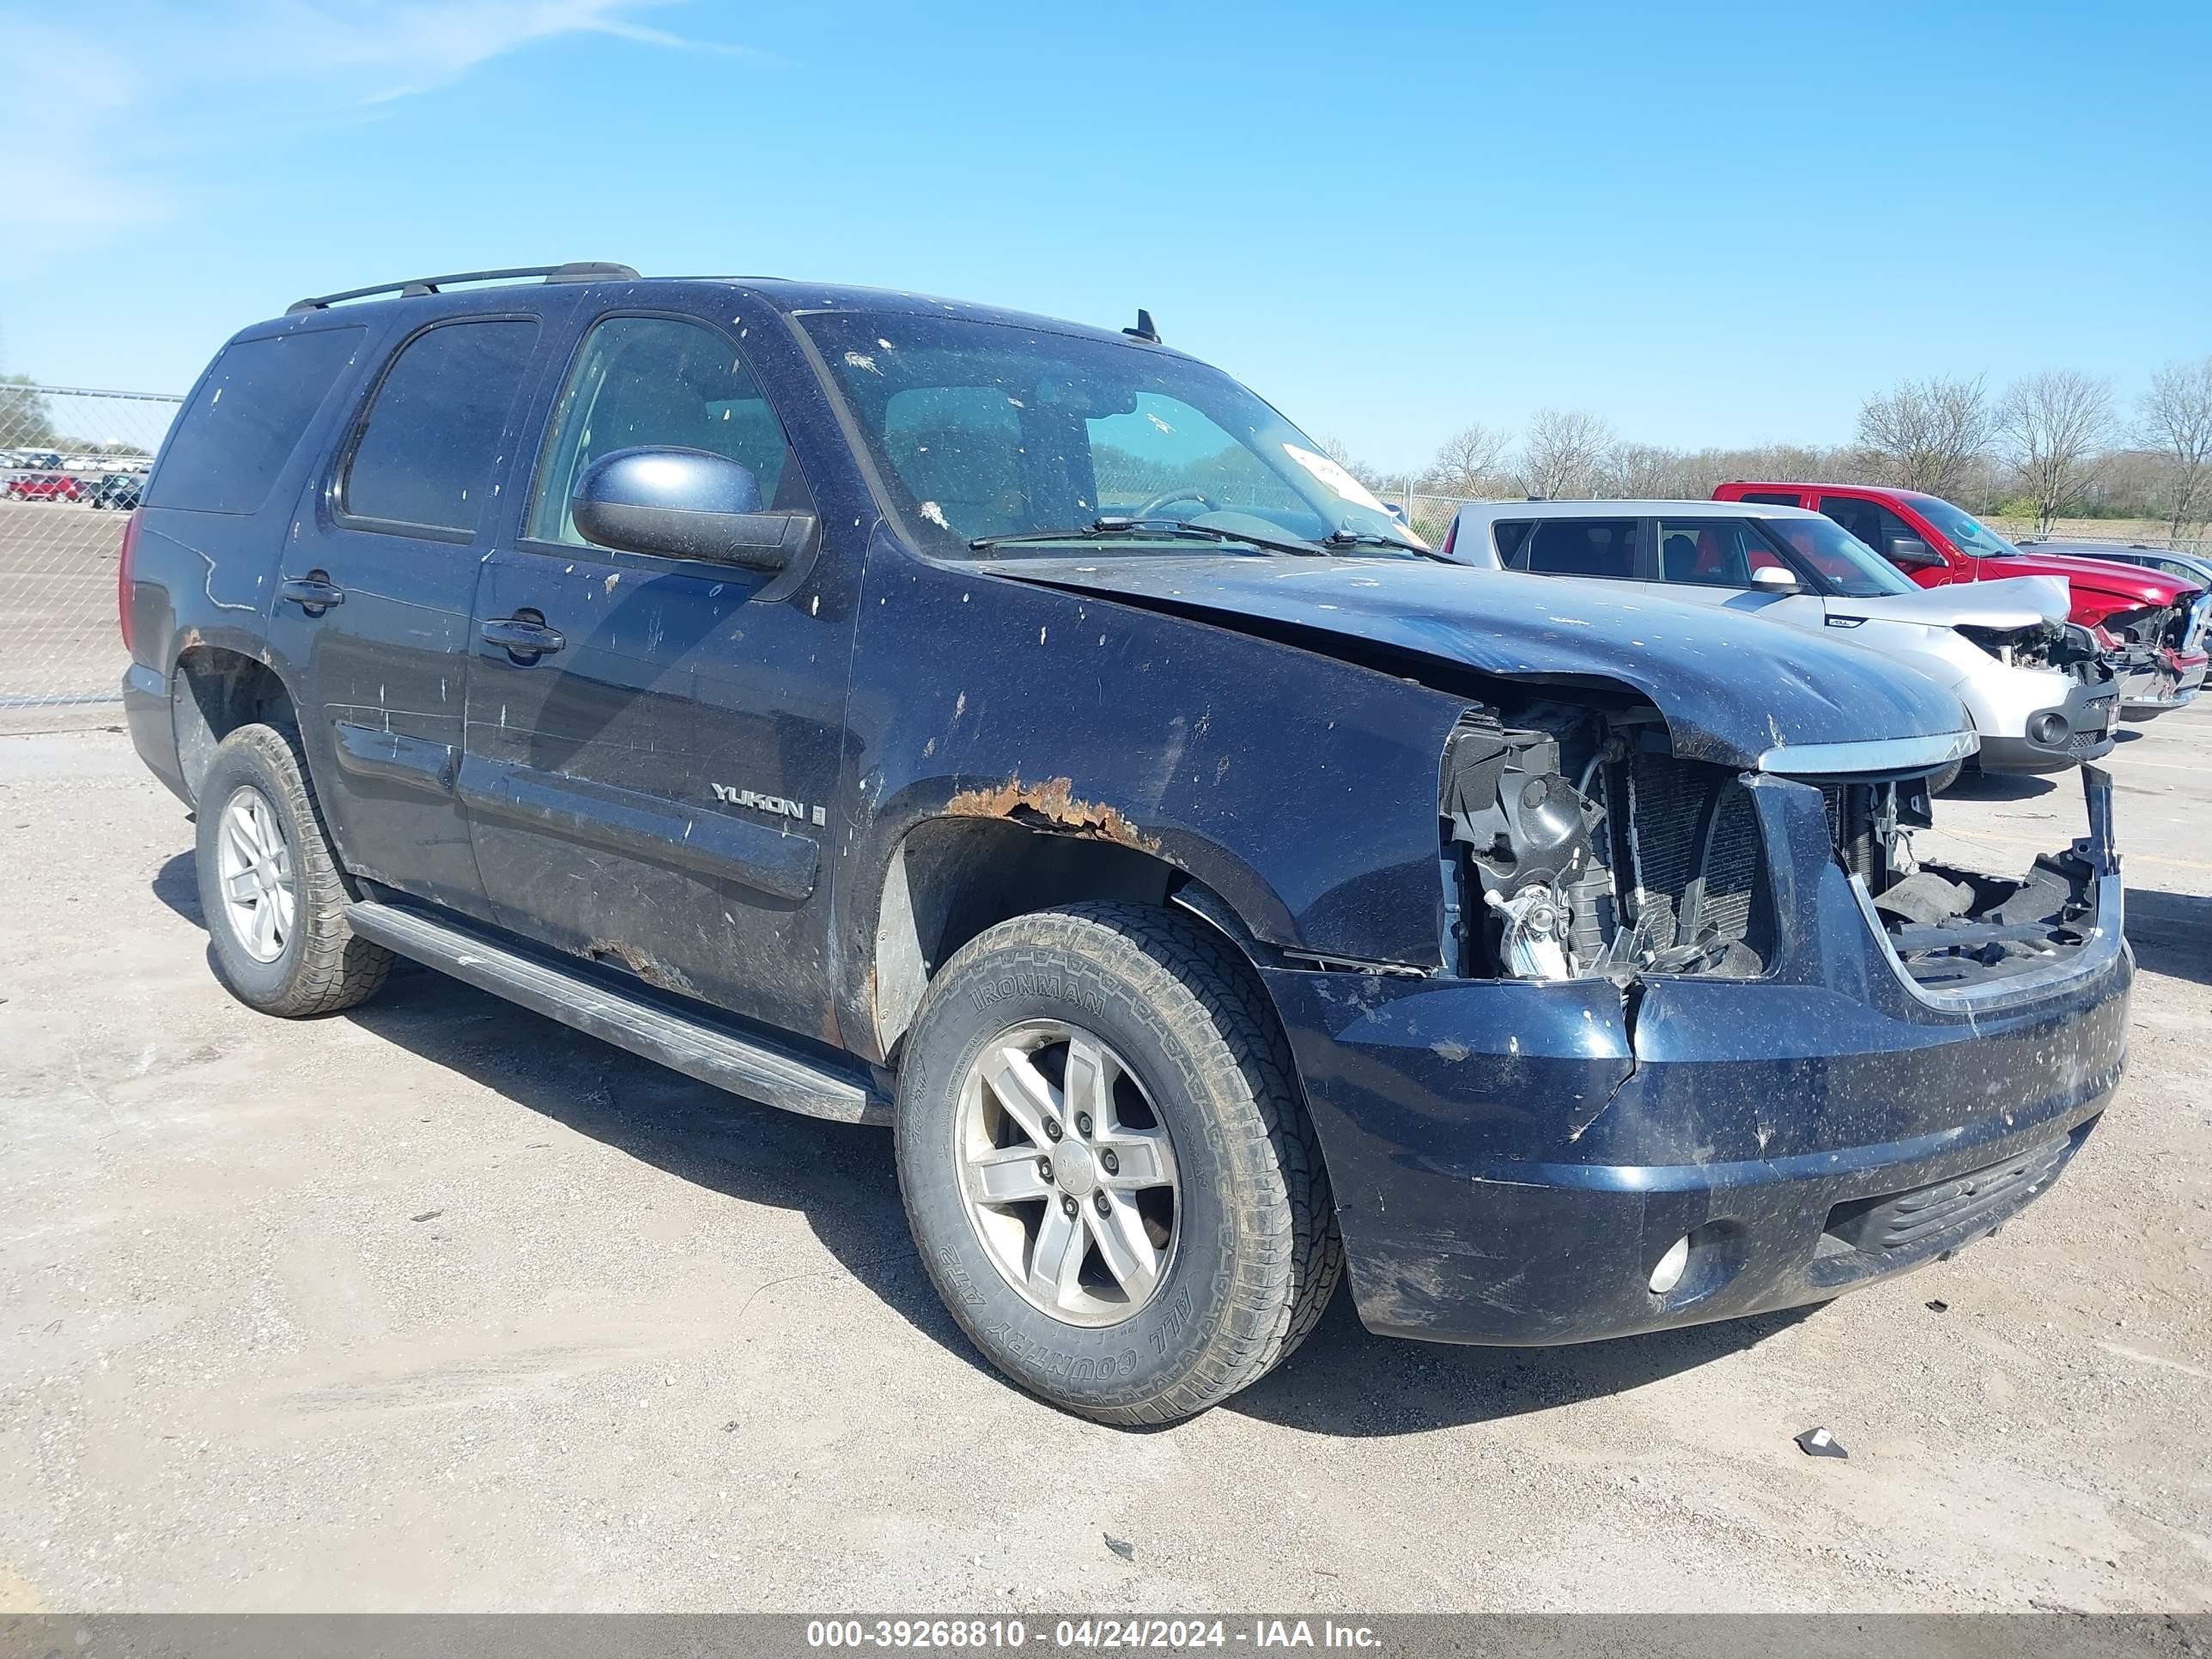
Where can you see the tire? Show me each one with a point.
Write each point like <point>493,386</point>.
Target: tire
<point>308,961</point>
<point>1940,782</point>
<point>1244,1232</point>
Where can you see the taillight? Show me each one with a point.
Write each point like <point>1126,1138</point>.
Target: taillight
<point>123,573</point>
<point>1451,536</point>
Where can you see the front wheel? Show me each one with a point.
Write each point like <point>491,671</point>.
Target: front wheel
<point>1107,1166</point>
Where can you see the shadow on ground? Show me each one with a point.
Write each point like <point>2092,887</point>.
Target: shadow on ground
<point>1343,1381</point>
<point>1998,785</point>
<point>2171,934</point>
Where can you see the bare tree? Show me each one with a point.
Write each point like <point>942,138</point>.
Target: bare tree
<point>1340,452</point>
<point>1471,462</point>
<point>2175,418</point>
<point>1925,435</point>
<point>2053,426</point>
<point>1566,454</point>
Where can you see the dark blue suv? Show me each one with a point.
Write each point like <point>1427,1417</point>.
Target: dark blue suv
<point>1020,734</point>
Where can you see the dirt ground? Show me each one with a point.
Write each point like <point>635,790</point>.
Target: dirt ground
<point>438,1305</point>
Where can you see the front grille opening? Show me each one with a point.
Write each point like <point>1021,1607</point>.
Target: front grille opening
<point>1953,928</point>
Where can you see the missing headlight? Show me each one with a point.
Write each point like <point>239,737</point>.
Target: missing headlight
<point>1584,848</point>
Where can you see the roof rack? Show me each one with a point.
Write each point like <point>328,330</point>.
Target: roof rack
<point>579,270</point>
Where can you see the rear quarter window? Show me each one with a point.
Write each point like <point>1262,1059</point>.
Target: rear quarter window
<point>245,420</point>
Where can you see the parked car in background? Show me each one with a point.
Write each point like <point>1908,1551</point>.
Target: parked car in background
<point>2144,614</point>
<point>41,487</point>
<point>1017,733</point>
<point>117,490</point>
<point>2041,697</point>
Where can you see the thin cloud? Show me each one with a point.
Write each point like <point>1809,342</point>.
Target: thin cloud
<point>129,123</point>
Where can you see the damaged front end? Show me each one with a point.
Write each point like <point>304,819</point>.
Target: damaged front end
<point>1576,845</point>
<point>1705,1034</point>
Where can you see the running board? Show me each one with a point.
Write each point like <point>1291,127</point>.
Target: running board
<point>697,1047</point>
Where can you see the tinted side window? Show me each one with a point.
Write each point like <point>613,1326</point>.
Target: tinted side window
<point>1871,522</point>
<point>658,382</point>
<point>1715,554</point>
<point>1511,538</point>
<point>425,454</point>
<point>1584,547</point>
<point>246,418</point>
<point>1773,498</point>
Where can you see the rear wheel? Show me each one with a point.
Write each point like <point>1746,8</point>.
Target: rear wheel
<point>1107,1166</point>
<point>269,887</point>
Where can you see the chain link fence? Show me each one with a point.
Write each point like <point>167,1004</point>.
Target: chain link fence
<point>72,463</point>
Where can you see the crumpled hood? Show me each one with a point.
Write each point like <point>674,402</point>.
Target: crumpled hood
<point>2015,602</point>
<point>1731,687</point>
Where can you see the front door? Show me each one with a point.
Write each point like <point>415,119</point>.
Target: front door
<point>373,598</point>
<point>653,744</point>
<point>1878,527</point>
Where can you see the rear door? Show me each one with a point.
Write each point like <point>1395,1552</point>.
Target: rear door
<point>373,594</point>
<point>653,744</point>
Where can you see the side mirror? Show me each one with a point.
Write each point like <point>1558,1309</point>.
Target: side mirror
<point>1912,553</point>
<point>685,504</point>
<point>1776,579</point>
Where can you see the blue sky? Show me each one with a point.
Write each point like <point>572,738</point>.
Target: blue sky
<point>1708,224</point>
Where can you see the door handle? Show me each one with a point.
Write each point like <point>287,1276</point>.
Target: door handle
<point>313,592</point>
<point>522,636</point>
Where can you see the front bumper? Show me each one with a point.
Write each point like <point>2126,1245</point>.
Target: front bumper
<point>1511,1160</point>
<point>2163,680</point>
<point>2078,728</point>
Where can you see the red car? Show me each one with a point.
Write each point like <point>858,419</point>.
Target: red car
<point>2145,613</point>
<point>42,487</point>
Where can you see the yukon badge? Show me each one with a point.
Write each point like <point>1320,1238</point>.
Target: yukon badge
<point>777,803</point>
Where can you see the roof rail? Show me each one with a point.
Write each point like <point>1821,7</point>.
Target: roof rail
<point>579,270</point>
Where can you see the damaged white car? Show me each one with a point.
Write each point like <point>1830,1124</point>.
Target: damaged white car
<point>2041,699</point>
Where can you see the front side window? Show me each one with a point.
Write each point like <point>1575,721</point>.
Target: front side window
<point>1584,547</point>
<point>983,430</point>
<point>425,456</point>
<point>1831,560</point>
<point>1870,521</point>
<point>1965,531</point>
<point>661,383</point>
<point>1720,553</point>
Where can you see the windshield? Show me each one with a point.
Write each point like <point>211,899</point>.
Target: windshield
<point>984,431</point>
<point>1838,562</point>
<point>1966,532</point>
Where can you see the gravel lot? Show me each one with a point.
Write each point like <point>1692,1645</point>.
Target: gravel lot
<point>437,1305</point>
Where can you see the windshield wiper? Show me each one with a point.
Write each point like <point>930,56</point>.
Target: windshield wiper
<point>1108,529</point>
<point>1375,538</point>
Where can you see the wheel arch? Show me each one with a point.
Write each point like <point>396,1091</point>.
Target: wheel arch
<point>213,690</point>
<point>949,878</point>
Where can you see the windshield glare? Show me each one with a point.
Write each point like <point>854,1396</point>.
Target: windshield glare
<point>1838,562</point>
<point>991,429</point>
<point>1966,532</point>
